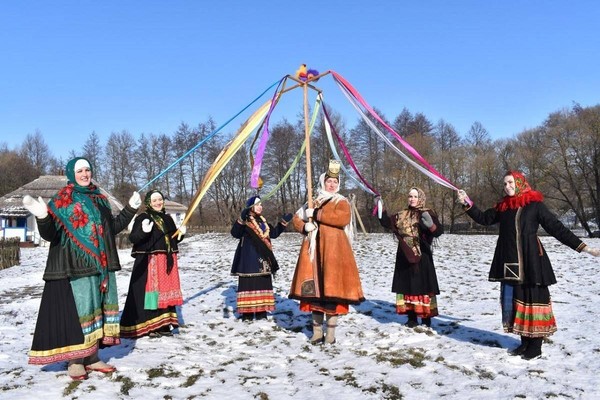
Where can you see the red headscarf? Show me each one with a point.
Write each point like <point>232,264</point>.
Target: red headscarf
<point>523,194</point>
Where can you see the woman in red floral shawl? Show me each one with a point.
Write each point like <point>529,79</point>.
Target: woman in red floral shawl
<point>79,310</point>
<point>520,262</point>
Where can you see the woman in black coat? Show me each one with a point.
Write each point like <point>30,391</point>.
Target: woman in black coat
<point>79,310</point>
<point>520,262</point>
<point>415,281</point>
<point>254,262</point>
<point>154,288</point>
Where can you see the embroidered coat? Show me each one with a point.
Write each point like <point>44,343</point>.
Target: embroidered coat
<point>518,242</point>
<point>421,278</point>
<point>62,262</point>
<point>248,259</point>
<point>332,275</point>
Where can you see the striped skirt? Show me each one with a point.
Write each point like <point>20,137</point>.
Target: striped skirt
<point>423,305</point>
<point>255,294</point>
<point>527,310</point>
<point>74,319</point>
<point>152,297</point>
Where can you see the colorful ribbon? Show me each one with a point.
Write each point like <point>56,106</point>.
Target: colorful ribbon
<point>187,153</point>
<point>262,145</point>
<point>364,185</point>
<point>355,98</point>
<point>230,149</point>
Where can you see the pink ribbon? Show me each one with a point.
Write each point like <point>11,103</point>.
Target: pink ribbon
<point>262,145</point>
<point>406,145</point>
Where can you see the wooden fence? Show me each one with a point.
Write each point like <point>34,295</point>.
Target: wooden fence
<point>10,252</point>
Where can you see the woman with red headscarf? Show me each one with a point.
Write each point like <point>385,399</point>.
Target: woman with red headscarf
<point>520,261</point>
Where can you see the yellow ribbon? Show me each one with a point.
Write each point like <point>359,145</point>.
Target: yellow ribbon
<point>230,149</point>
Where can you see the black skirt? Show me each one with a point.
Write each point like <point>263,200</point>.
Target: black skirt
<point>58,335</point>
<point>136,321</point>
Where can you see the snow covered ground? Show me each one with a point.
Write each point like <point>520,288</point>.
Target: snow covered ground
<point>216,356</point>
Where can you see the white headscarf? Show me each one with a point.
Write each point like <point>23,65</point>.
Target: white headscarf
<point>322,196</point>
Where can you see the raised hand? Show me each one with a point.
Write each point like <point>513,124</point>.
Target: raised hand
<point>147,225</point>
<point>182,230</point>
<point>593,251</point>
<point>135,201</point>
<point>245,213</point>
<point>37,207</point>
<point>426,219</point>
<point>463,198</point>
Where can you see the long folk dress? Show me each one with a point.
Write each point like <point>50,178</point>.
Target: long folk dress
<point>328,282</point>
<point>254,264</point>
<point>522,266</point>
<point>79,309</point>
<point>415,281</point>
<point>154,288</point>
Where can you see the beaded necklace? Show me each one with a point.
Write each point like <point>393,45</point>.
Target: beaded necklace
<point>256,227</point>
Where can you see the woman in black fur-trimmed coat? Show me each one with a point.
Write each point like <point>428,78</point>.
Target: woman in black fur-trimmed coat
<point>521,263</point>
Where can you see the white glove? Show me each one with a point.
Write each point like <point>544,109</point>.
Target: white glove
<point>147,225</point>
<point>135,201</point>
<point>592,251</point>
<point>309,227</point>
<point>37,207</point>
<point>463,198</point>
<point>182,230</point>
<point>310,212</point>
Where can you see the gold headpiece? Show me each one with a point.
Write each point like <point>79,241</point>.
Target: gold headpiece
<point>333,171</point>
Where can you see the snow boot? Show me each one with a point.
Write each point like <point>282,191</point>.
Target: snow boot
<point>261,315</point>
<point>534,349</point>
<point>426,322</point>
<point>412,319</point>
<point>331,325</point>
<point>317,336</point>
<point>517,351</point>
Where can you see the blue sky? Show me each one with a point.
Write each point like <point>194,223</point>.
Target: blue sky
<point>72,67</point>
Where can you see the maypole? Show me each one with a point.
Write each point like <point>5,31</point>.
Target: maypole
<point>305,85</point>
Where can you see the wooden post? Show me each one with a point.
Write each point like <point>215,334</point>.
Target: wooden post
<point>307,138</point>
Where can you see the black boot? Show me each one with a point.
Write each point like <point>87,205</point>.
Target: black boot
<point>426,322</point>
<point>521,348</point>
<point>412,319</point>
<point>247,317</point>
<point>261,315</point>
<point>534,349</point>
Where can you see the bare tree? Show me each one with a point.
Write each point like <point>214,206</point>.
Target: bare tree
<point>92,150</point>
<point>35,149</point>
<point>16,170</point>
<point>121,164</point>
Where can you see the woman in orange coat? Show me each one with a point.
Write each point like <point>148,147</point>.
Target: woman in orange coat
<point>326,279</point>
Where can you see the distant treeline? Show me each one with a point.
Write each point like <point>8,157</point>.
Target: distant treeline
<point>560,157</point>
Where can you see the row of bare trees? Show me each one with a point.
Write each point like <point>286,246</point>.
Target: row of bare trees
<point>560,157</point>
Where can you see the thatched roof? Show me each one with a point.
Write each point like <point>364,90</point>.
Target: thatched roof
<point>46,186</point>
<point>172,207</point>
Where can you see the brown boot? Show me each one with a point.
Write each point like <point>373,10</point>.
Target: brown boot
<point>317,336</point>
<point>331,325</point>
